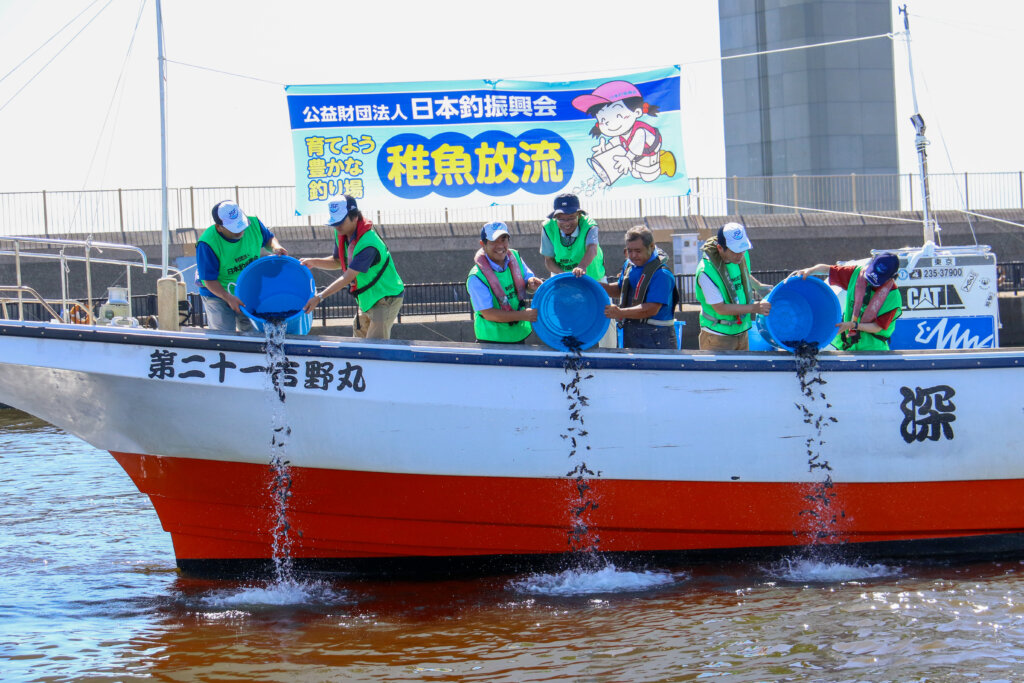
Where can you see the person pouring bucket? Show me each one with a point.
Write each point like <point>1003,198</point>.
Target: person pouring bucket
<point>569,244</point>
<point>222,253</point>
<point>498,285</point>
<point>873,302</point>
<point>369,271</point>
<point>726,290</point>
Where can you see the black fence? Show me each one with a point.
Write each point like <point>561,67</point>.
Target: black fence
<point>440,299</point>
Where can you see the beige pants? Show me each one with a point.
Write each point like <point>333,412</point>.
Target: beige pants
<point>722,342</point>
<point>376,323</point>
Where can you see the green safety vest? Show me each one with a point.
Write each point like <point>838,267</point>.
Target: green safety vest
<point>568,257</point>
<point>382,279</point>
<point>489,331</point>
<point>869,341</point>
<point>709,317</point>
<point>234,256</point>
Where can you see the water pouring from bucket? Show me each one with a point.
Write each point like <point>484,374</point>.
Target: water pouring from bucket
<point>276,288</point>
<point>804,311</point>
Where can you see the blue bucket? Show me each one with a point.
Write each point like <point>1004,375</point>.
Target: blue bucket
<point>570,306</point>
<point>277,287</point>
<point>803,310</point>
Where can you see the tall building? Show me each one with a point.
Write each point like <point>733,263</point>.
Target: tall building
<point>821,111</point>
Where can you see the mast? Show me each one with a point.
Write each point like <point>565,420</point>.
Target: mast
<point>164,227</point>
<point>931,227</point>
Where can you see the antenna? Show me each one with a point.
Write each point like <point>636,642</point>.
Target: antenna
<point>931,226</point>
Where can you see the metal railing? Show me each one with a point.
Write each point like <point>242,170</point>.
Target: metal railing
<point>67,303</point>
<point>437,299</point>
<point>121,212</point>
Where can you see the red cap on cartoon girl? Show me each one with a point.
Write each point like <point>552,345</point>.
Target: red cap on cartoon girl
<point>612,91</point>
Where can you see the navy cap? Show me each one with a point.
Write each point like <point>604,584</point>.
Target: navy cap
<point>565,203</point>
<point>882,268</point>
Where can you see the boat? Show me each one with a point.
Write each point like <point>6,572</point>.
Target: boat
<point>406,454</point>
<point>383,457</point>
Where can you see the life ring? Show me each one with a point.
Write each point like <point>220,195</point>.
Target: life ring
<point>78,314</point>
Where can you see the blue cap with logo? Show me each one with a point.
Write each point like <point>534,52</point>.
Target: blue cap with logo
<point>882,268</point>
<point>493,231</point>
<point>339,207</point>
<point>566,203</point>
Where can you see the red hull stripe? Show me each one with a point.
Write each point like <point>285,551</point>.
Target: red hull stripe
<point>223,510</point>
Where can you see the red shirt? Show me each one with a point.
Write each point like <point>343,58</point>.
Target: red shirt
<point>839,276</point>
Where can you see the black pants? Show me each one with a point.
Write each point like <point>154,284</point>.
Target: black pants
<point>640,335</point>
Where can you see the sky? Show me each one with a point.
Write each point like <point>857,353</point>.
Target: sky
<point>90,118</point>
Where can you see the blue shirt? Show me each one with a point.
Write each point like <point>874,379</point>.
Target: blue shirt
<point>659,291</point>
<point>208,265</point>
<point>480,293</point>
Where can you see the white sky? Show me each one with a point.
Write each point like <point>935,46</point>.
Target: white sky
<point>226,131</point>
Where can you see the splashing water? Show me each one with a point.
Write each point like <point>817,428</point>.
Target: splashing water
<point>823,516</point>
<point>581,500</point>
<point>607,579</point>
<point>280,473</point>
<point>277,594</point>
<point>800,570</point>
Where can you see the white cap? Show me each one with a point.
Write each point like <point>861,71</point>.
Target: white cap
<point>339,207</point>
<point>733,236</point>
<point>231,217</point>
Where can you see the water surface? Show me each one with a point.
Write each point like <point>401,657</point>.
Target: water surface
<point>89,592</point>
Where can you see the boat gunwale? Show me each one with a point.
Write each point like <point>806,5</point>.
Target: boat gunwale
<point>468,353</point>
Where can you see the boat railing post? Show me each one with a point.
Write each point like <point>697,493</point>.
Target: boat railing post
<point>88,273</point>
<point>796,195</point>
<point>853,190</point>
<point>64,313</point>
<point>17,275</point>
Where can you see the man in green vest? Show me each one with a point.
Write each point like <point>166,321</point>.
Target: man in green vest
<point>223,251</point>
<point>498,285</point>
<point>873,301</point>
<point>370,272</point>
<point>569,240</point>
<point>569,244</point>
<point>726,291</point>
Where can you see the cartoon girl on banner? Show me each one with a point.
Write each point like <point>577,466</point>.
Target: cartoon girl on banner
<point>626,144</point>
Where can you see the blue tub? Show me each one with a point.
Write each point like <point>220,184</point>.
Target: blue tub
<point>276,287</point>
<point>803,311</point>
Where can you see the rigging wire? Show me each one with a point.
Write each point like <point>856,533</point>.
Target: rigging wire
<point>43,67</point>
<point>890,36</point>
<point>808,209</point>
<point>47,42</point>
<point>949,160</point>
<point>113,98</point>
<point>226,73</point>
